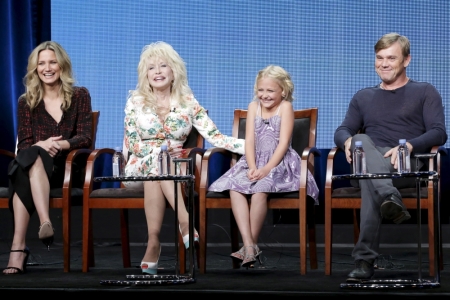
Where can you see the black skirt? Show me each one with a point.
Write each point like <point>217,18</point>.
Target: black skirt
<point>19,181</point>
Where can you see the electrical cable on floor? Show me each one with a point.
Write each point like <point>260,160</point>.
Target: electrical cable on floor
<point>384,262</point>
<point>35,260</point>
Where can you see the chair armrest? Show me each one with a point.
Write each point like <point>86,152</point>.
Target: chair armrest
<point>434,157</point>
<point>310,150</point>
<point>207,156</point>
<point>330,167</point>
<point>196,154</point>
<point>193,153</point>
<point>73,155</point>
<point>307,158</point>
<point>7,153</point>
<point>307,163</point>
<point>90,164</point>
<point>439,149</point>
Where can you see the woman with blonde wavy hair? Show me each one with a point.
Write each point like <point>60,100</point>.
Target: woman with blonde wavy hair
<point>161,111</point>
<point>53,119</point>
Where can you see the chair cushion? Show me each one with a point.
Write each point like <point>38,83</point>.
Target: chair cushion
<point>226,194</point>
<point>121,193</point>
<point>351,192</point>
<point>285,195</point>
<point>54,193</point>
<point>57,193</point>
<point>117,193</point>
<point>3,192</point>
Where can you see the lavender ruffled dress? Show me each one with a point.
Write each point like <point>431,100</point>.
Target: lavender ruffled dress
<point>285,177</point>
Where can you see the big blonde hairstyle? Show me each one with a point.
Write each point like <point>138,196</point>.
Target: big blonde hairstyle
<point>281,76</point>
<point>180,88</point>
<point>34,90</point>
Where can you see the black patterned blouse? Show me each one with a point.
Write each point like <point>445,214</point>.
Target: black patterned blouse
<point>74,126</point>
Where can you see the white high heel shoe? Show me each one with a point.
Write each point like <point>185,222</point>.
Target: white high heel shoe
<point>150,268</point>
<point>186,238</point>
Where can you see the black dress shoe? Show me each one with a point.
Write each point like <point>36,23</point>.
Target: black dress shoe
<point>363,271</point>
<point>393,209</point>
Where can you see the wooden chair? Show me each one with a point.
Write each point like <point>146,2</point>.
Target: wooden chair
<point>7,157</point>
<point>303,141</point>
<point>70,193</point>
<point>343,196</point>
<point>123,198</point>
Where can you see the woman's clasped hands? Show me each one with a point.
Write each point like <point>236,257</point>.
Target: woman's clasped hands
<point>51,145</point>
<point>256,174</point>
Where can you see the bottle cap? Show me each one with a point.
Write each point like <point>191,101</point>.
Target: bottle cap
<point>117,149</point>
<point>402,141</point>
<point>164,147</point>
<point>358,143</point>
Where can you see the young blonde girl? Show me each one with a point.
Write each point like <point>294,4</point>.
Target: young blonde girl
<point>269,165</point>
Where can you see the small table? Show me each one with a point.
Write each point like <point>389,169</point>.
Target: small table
<point>140,280</point>
<point>403,283</point>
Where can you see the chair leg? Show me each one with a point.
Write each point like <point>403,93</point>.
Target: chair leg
<point>202,233</point>
<point>441,257</point>
<point>312,248</point>
<point>355,226</point>
<point>181,255</point>
<point>234,231</point>
<point>197,254</point>
<point>91,256</point>
<point>303,236</point>
<point>197,225</point>
<point>312,236</point>
<point>125,238</point>
<point>328,235</point>
<point>66,235</point>
<point>88,248</point>
<point>431,240</point>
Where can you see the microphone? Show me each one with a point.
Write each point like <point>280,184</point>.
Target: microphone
<point>266,121</point>
<point>172,109</point>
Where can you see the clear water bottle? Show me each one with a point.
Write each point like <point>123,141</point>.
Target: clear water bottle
<point>164,161</point>
<point>403,162</point>
<point>118,163</point>
<point>359,159</point>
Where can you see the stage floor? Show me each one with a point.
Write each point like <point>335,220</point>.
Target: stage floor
<point>279,276</point>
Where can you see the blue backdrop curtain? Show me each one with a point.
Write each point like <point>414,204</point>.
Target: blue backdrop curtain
<point>24,25</point>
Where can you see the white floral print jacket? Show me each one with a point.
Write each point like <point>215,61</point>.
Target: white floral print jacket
<point>145,133</point>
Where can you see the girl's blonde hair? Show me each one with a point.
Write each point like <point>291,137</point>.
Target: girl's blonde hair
<point>180,87</point>
<point>281,76</point>
<point>34,91</point>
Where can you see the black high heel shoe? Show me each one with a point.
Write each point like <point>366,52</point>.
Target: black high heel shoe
<point>24,265</point>
<point>46,233</point>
